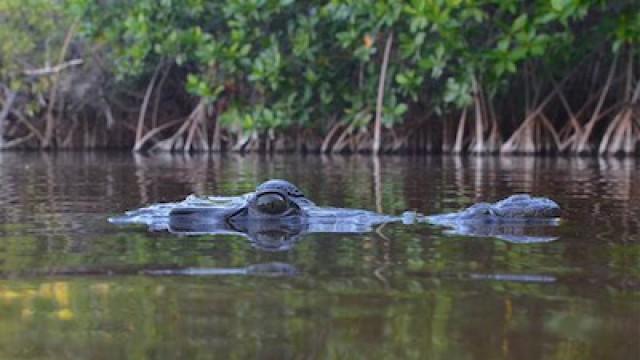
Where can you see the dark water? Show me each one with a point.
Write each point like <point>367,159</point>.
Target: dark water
<point>74,286</point>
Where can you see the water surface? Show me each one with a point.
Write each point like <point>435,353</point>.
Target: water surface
<point>73,285</point>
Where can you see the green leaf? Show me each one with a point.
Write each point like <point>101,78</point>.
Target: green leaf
<point>559,5</point>
<point>519,23</point>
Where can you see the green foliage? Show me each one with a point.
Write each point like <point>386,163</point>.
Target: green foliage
<point>627,29</point>
<point>31,35</point>
<point>28,35</point>
<point>303,62</point>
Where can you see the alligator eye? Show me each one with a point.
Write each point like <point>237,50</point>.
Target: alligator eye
<point>271,204</point>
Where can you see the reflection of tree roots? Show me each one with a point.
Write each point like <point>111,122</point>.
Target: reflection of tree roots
<point>379,232</point>
<point>385,255</point>
<point>378,273</point>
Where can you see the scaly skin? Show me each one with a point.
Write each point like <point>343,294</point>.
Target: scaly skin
<point>277,214</point>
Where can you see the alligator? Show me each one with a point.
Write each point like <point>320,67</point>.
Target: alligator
<point>277,214</point>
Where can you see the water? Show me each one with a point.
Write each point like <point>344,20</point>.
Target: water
<point>73,285</point>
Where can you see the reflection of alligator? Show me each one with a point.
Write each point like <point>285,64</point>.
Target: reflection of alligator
<point>277,214</point>
<point>271,269</point>
<point>267,270</point>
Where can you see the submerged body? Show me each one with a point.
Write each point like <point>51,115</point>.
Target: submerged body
<point>277,214</point>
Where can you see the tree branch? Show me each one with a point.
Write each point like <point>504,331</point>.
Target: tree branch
<point>50,70</point>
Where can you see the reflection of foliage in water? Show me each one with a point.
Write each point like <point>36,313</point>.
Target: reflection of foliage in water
<point>341,317</point>
<point>408,292</point>
<point>421,302</point>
